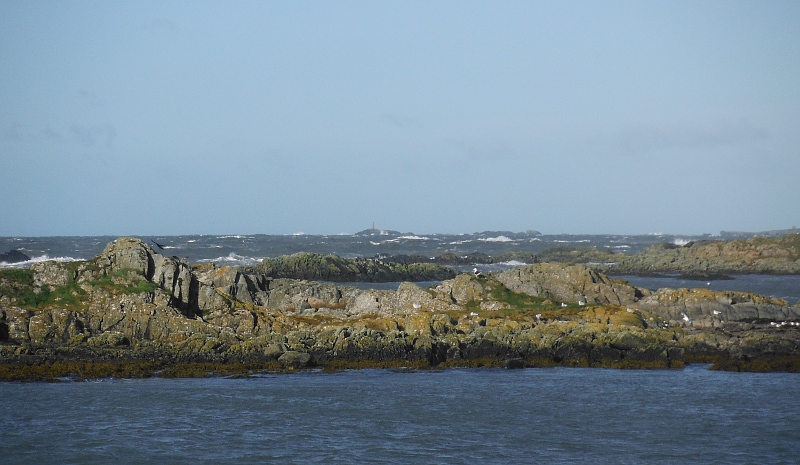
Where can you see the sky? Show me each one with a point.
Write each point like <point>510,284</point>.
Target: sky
<point>324,117</point>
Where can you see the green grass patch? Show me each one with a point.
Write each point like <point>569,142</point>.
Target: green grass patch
<point>17,285</point>
<point>527,305</point>
<point>69,296</point>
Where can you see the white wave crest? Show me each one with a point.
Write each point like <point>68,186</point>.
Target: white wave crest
<point>40,259</point>
<point>233,259</point>
<point>680,242</point>
<point>415,238</point>
<point>496,239</point>
<point>513,263</point>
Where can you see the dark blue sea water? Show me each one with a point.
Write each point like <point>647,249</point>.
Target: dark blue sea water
<point>783,287</point>
<point>558,415</point>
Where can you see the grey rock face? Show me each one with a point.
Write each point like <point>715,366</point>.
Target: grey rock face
<point>127,253</point>
<point>51,274</point>
<point>703,308</point>
<point>295,359</point>
<point>569,283</point>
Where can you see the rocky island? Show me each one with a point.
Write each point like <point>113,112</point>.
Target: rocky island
<point>132,312</point>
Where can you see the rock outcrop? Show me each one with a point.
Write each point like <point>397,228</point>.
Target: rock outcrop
<point>318,267</point>
<point>130,303</point>
<point>574,283</point>
<point>13,256</point>
<point>758,255</point>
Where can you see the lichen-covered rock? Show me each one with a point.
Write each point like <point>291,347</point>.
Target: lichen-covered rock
<point>704,308</point>
<point>51,274</point>
<point>756,255</point>
<point>133,301</point>
<point>129,254</point>
<point>312,266</point>
<point>461,290</point>
<point>54,325</point>
<point>295,359</point>
<point>569,283</point>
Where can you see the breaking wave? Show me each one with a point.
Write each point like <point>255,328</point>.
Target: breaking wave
<point>233,259</point>
<point>512,263</point>
<point>40,259</point>
<point>496,239</point>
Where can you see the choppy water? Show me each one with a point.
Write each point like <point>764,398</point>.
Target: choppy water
<point>250,249</point>
<point>559,415</point>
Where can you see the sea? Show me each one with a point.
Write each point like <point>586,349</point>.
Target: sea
<point>452,416</point>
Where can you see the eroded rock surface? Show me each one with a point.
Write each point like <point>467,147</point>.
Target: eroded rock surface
<point>132,302</point>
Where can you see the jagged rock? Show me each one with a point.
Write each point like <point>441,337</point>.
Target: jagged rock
<point>129,254</point>
<point>56,325</point>
<point>51,274</point>
<point>13,256</point>
<point>569,283</point>
<point>461,290</point>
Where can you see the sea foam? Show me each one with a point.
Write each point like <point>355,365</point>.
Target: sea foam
<point>233,259</point>
<point>496,239</point>
<point>39,259</point>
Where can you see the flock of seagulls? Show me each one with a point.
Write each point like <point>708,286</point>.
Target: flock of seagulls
<point>784,323</point>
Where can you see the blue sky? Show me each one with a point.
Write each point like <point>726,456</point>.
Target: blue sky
<point>451,116</point>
